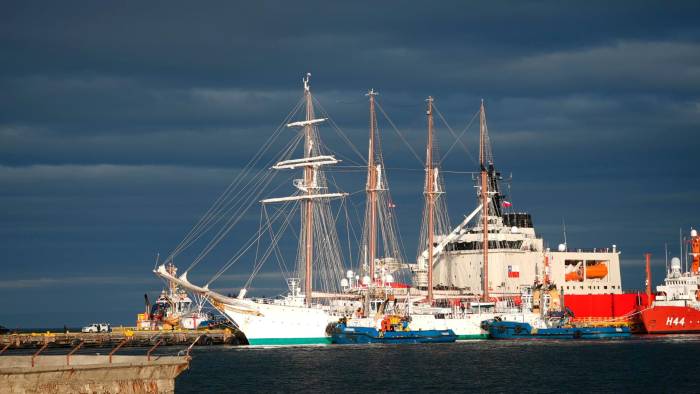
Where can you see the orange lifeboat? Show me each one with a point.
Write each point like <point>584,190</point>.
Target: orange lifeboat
<point>573,276</point>
<point>595,271</point>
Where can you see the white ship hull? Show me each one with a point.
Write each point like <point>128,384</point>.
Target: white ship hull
<point>274,324</point>
<point>269,322</point>
<point>468,325</point>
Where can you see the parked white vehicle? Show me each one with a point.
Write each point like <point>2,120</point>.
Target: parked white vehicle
<point>97,327</point>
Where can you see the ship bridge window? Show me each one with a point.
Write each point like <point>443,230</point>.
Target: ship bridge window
<point>521,220</point>
<point>477,245</point>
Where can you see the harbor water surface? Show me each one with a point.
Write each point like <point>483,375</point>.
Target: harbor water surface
<point>650,364</point>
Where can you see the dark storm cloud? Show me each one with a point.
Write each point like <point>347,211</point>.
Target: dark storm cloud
<point>121,122</point>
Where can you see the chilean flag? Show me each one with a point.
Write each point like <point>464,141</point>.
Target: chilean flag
<point>507,204</point>
<point>513,271</point>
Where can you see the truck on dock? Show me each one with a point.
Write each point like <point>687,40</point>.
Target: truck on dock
<point>97,327</point>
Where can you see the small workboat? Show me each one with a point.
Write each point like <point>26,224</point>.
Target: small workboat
<point>556,326</point>
<point>517,330</point>
<point>392,331</point>
<point>344,335</point>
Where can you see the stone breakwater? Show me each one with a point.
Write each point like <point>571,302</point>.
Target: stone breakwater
<point>90,374</point>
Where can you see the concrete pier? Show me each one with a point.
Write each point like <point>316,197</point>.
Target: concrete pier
<point>90,374</point>
<point>133,337</point>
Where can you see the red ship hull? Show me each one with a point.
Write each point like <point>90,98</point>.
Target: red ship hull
<point>671,320</point>
<point>605,307</point>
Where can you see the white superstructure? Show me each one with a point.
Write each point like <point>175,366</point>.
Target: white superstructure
<point>498,252</point>
<point>516,259</point>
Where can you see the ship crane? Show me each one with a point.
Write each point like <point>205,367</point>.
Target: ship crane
<point>440,247</point>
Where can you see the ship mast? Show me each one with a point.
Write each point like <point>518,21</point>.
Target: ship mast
<point>372,186</point>
<point>647,256</point>
<point>430,196</point>
<point>308,182</point>
<point>484,200</point>
<point>309,185</point>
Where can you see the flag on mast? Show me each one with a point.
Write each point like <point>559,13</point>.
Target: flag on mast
<point>513,271</point>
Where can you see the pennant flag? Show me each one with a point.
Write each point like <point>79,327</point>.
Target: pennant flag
<point>507,204</point>
<point>392,205</point>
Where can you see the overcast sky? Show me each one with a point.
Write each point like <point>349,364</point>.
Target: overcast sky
<point>121,122</point>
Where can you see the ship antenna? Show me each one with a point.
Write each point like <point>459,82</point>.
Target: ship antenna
<point>563,226</point>
<point>680,243</point>
<point>666,254</point>
<point>685,253</point>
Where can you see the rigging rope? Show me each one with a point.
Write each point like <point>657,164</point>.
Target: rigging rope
<point>204,223</point>
<point>250,242</point>
<point>396,130</point>
<point>340,132</point>
<point>458,138</point>
<point>260,186</point>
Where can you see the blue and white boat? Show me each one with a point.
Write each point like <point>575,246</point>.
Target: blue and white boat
<point>344,335</point>
<point>516,330</point>
<point>547,330</point>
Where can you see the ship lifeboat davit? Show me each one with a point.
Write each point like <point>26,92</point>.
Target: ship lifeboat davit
<point>595,271</point>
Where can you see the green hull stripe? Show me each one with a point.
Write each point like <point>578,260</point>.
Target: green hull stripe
<point>290,341</point>
<point>475,336</point>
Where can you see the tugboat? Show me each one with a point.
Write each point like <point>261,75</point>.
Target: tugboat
<point>394,330</point>
<point>551,324</point>
<point>552,329</point>
<point>676,307</point>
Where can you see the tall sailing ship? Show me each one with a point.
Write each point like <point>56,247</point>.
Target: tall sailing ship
<point>300,317</point>
<point>479,270</point>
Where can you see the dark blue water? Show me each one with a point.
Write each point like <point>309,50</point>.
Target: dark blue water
<point>643,364</point>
